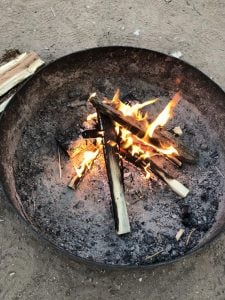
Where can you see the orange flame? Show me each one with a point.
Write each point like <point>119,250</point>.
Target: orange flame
<point>89,157</point>
<point>164,116</point>
<point>134,110</point>
<point>141,148</point>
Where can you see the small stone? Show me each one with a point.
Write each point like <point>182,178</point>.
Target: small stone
<point>174,216</point>
<point>204,146</point>
<point>136,32</point>
<point>174,253</point>
<point>140,279</point>
<point>204,218</point>
<point>12,274</point>
<point>176,54</point>
<point>177,130</point>
<point>168,248</point>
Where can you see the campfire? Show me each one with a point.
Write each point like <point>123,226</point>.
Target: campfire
<point>165,202</point>
<point>123,131</point>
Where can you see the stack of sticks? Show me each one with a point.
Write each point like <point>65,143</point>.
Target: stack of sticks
<point>114,151</point>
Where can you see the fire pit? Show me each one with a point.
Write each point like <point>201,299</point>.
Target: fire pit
<point>174,212</point>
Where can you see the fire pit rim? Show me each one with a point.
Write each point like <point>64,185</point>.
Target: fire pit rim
<point>38,235</point>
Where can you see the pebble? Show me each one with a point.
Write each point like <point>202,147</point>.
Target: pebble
<point>79,205</point>
<point>176,54</point>
<point>168,248</point>
<point>174,253</point>
<point>140,279</point>
<point>204,218</point>
<point>136,32</point>
<point>204,146</point>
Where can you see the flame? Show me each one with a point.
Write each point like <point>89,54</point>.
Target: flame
<point>132,111</point>
<point>147,172</point>
<point>139,148</point>
<point>89,157</point>
<point>91,117</point>
<point>164,116</point>
<point>128,140</point>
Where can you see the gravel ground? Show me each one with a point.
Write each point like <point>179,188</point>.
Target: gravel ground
<point>31,270</point>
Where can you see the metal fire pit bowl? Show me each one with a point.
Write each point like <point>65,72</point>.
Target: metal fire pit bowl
<point>80,223</point>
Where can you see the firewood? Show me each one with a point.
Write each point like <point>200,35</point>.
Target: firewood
<point>147,164</point>
<point>138,128</point>
<point>91,133</point>
<point>4,104</point>
<point>15,71</point>
<point>112,161</point>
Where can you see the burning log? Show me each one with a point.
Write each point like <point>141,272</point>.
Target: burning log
<point>139,129</point>
<point>81,171</point>
<point>77,150</point>
<point>112,161</point>
<point>91,133</point>
<point>147,165</point>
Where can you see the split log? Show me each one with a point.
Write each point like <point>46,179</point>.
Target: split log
<point>174,184</point>
<point>112,161</point>
<point>17,70</point>
<point>139,129</point>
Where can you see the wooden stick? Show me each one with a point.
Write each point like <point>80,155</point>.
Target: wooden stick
<point>139,129</point>
<point>112,162</point>
<point>148,164</point>
<point>15,71</point>
<point>75,180</point>
<point>91,133</point>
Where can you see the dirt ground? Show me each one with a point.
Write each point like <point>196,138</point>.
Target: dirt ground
<point>31,270</point>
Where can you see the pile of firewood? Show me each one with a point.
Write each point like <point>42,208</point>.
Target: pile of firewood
<point>138,148</point>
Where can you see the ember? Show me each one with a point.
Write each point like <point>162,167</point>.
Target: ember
<point>127,133</point>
